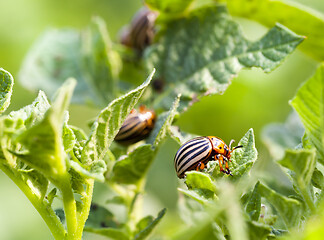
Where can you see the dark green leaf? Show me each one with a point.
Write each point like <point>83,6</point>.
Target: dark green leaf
<point>50,197</point>
<point>289,209</point>
<point>112,233</point>
<point>131,168</point>
<point>258,231</point>
<point>318,179</point>
<point>146,225</point>
<point>200,53</point>
<point>7,82</point>
<point>100,217</point>
<point>309,104</point>
<point>107,124</point>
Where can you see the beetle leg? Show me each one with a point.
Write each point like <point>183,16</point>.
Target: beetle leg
<point>200,166</point>
<point>220,159</point>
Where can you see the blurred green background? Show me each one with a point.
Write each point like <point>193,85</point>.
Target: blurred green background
<point>253,100</point>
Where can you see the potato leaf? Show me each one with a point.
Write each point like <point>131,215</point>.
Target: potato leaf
<point>6,81</point>
<point>200,53</point>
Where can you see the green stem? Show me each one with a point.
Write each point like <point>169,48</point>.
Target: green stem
<point>46,212</point>
<point>69,207</point>
<point>86,200</point>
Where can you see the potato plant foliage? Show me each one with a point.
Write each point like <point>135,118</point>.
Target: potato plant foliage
<point>197,50</point>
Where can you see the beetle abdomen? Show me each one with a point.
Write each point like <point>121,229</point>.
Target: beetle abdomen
<point>191,153</point>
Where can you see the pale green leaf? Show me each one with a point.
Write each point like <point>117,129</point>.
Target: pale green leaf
<point>43,146</point>
<point>54,57</point>
<point>169,6</point>
<point>131,168</point>
<point>278,137</point>
<point>146,225</point>
<point>289,209</point>
<point>107,124</point>
<point>69,138</point>
<point>102,64</point>
<point>199,180</point>
<point>200,53</point>
<point>289,13</point>
<point>7,82</point>
<point>309,104</point>
<point>258,231</point>
<point>253,206</point>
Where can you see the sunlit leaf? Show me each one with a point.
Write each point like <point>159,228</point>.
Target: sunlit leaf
<point>7,82</point>
<point>200,53</point>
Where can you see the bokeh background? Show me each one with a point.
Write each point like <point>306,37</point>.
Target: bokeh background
<point>253,100</point>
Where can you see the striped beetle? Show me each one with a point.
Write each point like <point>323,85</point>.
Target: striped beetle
<point>137,126</point>
<point>141,31</point>
<point>197,152</point>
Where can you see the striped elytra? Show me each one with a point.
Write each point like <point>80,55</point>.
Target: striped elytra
<point>197,152</point>
<point>137,126</point>
<point>141,31</point>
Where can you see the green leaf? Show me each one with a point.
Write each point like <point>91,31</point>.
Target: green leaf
<point>169,6</point>
<point>112,233</point>
<point>36,182</point>
<point>309,104</point>
<point>289,209</point>
<point>258,231</point>
<point>146,225</point>
<point>199,180</point>
<point>278,137</point>
<point>54,57</point>
<point>100,217</point>
<point>243,158</point>
<point>291,14</point>
<point>7,82</point>
<point>163,124</point>
<point>69,138</point>
<point>200,195</point>
<point>94,170</point>
<point>131,168</point>
<point>33,113</point>
<point>43,146</point>
<point>102,64</point>
<point>302,162</point>
<point>107,124</point>
<point>201,53</point>
<point>253,207</point>
<point>318,179</point>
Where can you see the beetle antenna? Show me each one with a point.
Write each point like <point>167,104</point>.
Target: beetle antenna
<point>230,144</point>
<point>240,146</point>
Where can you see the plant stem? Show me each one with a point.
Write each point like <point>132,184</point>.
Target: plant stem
<point>87,197</point>
<point>46,212</point>
<point>69,207</point>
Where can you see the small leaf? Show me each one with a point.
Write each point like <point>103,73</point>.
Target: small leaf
<point>243,158</point>
<point>309,104</point>
<point>200,53</point>
<point>163,124</point>
<point>199,180</point>
<point>95,170</point>
<point>133,167</point>
<point>278,137</point>
<point>112,233</point>
<point>68,138</point>
<point>7,82</point>
<point>50,197</point>
<point>144,231</point>
<point>107,125</point>
<point>100,217</point>
<point>37,183</point>
<point>43,142</point>
<point>289,209</point>
<point>258,231</point>
<point>302,162</point>
<point>318,179</point>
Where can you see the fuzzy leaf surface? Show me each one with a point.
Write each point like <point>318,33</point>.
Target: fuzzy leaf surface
<point>107,124</point>
<point>309,104</point>
<point>200,53</point>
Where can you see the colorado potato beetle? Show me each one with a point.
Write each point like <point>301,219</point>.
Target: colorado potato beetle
<point>136,127</point>
<point>197,152</point>
<point>141,31</point>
